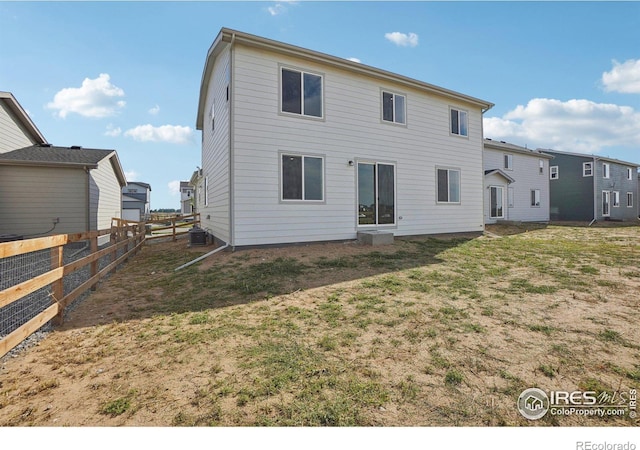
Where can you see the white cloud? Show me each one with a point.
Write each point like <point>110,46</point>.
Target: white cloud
<point>575,125</point>
<point>277,9</point>
<point>113,131</point>
<point>154,111</point>
<point>95,98</point>
<point>173,134</point>
<point>131,175</point>
<point>355,60</point>
<point>402,39</point>
<point>624,78</point>
<point>174,187</point>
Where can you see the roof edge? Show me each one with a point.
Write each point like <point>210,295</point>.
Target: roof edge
<point>22,115</point>
<point>586,155</point>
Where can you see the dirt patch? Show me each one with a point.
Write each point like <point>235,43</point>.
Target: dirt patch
<point>427,331</point>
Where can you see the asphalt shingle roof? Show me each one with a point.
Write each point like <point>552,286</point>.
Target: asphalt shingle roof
<point>56,155</point>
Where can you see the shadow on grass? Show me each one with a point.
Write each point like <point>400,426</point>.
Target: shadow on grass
<point>149,285</point>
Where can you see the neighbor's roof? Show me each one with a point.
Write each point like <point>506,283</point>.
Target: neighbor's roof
<point>585,155</point>
<point>227,36</point>
<point>140,183</point>
<point>47,155</point>
<point>22,116</point>
<point>507,147</point>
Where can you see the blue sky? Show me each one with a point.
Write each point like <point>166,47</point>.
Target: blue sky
<point>126,75</point>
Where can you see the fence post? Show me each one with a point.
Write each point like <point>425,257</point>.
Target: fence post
<point>57,287</point>
<point>94,264</point>
<point>173,223</point>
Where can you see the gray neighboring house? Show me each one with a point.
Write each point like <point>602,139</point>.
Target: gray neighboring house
<point>516,185</point>
<point>187,202</point>
<point>136,201</point>
<point>57,190</point>
<point>590,187</point>
<point>17,130</point>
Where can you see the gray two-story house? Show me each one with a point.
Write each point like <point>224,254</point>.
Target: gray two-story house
<point>592,188</point>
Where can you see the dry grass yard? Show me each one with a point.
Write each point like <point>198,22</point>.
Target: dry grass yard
<point>426,332</point>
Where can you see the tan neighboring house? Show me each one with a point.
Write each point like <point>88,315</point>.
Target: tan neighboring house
<point>17,130</point>
<point>47,190</point>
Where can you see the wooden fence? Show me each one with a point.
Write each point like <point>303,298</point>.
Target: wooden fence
<point>123,235</point>
<point>176,224</point>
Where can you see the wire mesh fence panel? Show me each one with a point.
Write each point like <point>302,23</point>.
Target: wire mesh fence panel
<point>18,269</point>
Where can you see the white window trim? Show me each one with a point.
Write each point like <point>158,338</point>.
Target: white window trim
<point>449,169</point>
<point>503,208</point>
<point>615,200</point>
<point>302,72</point>
<point>629,174</point>
<point>459,110</point>
<point>629,196</point>
<point>206,191</point>
<point>541,167</point>
<point>395,94</point>
<point>281,177</point>
<point>584,169</point>
<point>606,171</point>
<point>539,198</point>
<point>508,161</point>
<point>553,172</point>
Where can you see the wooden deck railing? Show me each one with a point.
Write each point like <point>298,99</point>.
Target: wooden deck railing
<point>122,235</point>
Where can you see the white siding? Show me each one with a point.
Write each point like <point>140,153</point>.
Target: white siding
<point>12,136</point>
<point>33,196</point>
<point>351,130</point>
<point>527,176</point>
<point>215,216</point>
<point>106,196</point>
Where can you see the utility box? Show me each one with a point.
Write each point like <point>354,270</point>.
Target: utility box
<point>197,236</point>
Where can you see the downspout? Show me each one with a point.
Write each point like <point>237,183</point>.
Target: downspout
<point>88,212</point>
<point>231,132</point>
<point>484,110</point>
<point>595,193</point>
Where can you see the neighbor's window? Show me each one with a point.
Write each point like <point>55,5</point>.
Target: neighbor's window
<point>393,108</point>
<point>302,178</point>
<point>206,191</point>
<point>459,123</point>
<point>448,186</point>
<point>605,170</point>
<point>629,174</point>
<point>629,199</point>
<point>541,164</point>
<point>301,93</point>
<point>587,169</point>
<point>508,162</point>
<point>554,173</point>
<point>616,198</point>
<point>535,197</point>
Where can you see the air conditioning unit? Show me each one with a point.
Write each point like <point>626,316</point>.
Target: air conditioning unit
<point>197,236</point>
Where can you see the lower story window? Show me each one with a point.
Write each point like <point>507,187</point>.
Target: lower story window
<point>616,199</point>
<point>448,188</point>
<point>535,197</point>
<point>629,199</point>
<point>302,177</point>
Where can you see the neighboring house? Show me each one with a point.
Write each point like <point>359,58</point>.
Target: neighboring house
<point>56,190</point>
<point>186,198</point>
<point>136,201</point>
<point>516,184</point>
<point>300,146</point>
<point>589,187</point>
<point>197,182</point>
<point>17,130</point>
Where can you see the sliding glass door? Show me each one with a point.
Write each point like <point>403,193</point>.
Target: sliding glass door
<point>376,194</point>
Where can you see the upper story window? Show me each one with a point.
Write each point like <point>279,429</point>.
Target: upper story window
<point>541,167</point>
<point>393,108</point>
<point>301,93</point>
<point>554,173</point>
<point>587,169</point>
<point>629,173</point>
<point>605,170</point>
<point>508,162</point>
<point>459,123</point>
